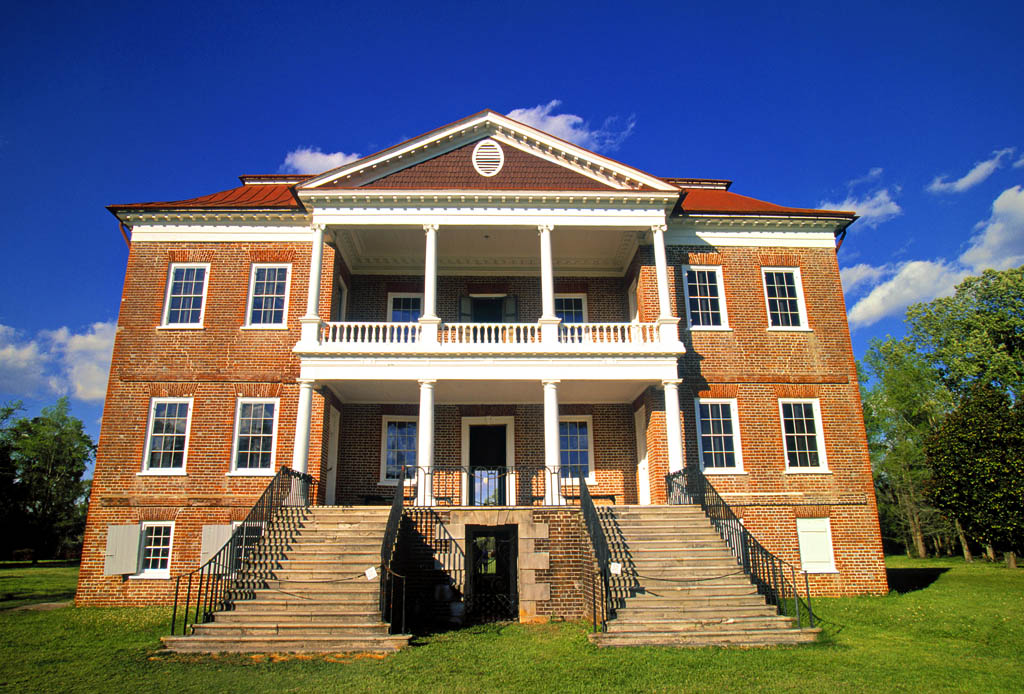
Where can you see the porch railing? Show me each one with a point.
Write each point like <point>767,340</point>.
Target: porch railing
<point>369,333</point>
<point>777,580</point>
<point>608,333</point>
<point>457,485</point>
<point>490,333</point>
<point>601,605</point>
<point>246,560</point>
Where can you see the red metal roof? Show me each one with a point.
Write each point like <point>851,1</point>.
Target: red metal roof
<point>263,196</point>
<point>705,200</point>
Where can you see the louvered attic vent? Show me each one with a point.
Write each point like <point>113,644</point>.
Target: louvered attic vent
<point>488,157</point>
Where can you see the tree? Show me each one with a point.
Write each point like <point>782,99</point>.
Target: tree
<point>976,336</point>
<point>977,461</point>
<point>43,488</point>
<point>903,400</point>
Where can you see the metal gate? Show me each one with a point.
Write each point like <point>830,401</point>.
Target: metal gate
<point>492,592</point>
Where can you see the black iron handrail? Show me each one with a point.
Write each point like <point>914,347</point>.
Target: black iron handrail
<point>388,578</point>
<point>246,560</point>
<point>599,543</point>
<point>774,578</point>
<point>497,485</point>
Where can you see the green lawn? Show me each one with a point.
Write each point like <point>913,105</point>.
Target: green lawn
<point>962,633</point>
<point>25,585</point>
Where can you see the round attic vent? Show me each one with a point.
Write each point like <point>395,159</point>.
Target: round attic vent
<point>488,157</point>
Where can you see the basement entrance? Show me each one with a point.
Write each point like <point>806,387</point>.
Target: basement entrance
<point>491,589</point>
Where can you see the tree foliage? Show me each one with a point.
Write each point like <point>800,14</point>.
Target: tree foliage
<point>977,461</point>
<point>975,336</point>
<point>43,495</point>
<point>903,400</point>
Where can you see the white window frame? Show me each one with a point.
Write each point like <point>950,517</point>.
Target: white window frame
<point>819,434</point>
<point>815,525</point>
<point>167,296</point>
<point>737,446</point>
<point>402,295</point>
<point>800,304</point>
<point>147,449</point>
<point>384,421</point>
<point>255,472</point>
<point>575,295</point>
<point>283,325</point>
<point>591,477</point>
<point>719,278</point>
<point>145,573</point>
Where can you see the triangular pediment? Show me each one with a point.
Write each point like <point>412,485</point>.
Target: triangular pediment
<point>443,159</point>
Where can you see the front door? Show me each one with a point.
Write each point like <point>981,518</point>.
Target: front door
<point>492,594</point>
<point>488,475</point>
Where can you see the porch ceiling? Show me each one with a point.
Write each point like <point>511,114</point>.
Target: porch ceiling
<point>487,392</point>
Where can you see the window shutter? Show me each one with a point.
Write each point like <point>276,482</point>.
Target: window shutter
<point>465,309</point>
<point>509,310</point>
<point>214,538</point>
<point>122,553</point>
<point>814,538</point>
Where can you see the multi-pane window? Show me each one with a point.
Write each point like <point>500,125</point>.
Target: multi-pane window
<point>784,296</point>
<point>571,309</point>
<point>718,434</point>
<point>268,295</point>
<point>576,449</point>
<point>801,433</point>
<point>398,448</point>
<point>156,549</point>
<point>186,291</point>
<point>705,301</point>
<point>255,426</point>
<point>405,308</point>
<point>167,443</point>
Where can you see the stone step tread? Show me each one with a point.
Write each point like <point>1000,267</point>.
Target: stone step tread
<point>698,640</point>
<point>234,626</point>
<point>286,644</point>
<point>668,623</point>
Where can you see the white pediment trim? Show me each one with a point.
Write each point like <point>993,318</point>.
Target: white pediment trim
<point>502,129</point>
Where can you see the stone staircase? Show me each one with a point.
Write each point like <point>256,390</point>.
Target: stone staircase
<point>681,586</point>
<point>317,598</point>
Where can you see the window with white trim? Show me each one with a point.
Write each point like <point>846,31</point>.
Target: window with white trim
<point>718,435</point>
<point>815,538</point>
<point>170,420</point>
<point>784,297</point>
<point>576,447</point>
<point>571,308</point>
<point>398,439</point>
<point>155,550</point>
<point>404,307</point>
<point>705,297</point>
<point>802,435</point>
<point>255,436</point>
<point>268,296</point>
<point>185,302</point>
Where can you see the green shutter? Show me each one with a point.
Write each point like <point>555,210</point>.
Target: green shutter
<point>509,310</point>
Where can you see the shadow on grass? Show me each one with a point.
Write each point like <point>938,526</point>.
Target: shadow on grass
<point>909,580</point>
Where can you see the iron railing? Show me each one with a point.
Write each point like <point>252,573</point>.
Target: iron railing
<point>774,578</point>
<point>456,485</point>
<point>599,544</point>
<point>392,601</point>
<point>247,559</point>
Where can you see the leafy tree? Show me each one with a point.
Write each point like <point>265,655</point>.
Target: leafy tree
<point>42,478</point>
<point>903,400</point>
<point>976,335</point>
<point>977,459</point>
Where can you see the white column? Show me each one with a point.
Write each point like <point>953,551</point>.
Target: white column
<point>429,320</point>
<point>667,325</point>
<point>673,427</point>
<point>552,457</point>
<point>303,416</point>
<point>425,446</point>
<point>311,321</point>
<point>548,320</point>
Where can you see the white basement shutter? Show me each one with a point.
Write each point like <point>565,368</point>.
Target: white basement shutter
<point>815,538</point>
<point>214,538</point>
<point>122,553</point>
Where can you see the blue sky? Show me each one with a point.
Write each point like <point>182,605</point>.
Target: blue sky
<point>912,115</point>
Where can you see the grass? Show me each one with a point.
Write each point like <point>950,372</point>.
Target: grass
<point>22,584</point>
<point>962,630</point>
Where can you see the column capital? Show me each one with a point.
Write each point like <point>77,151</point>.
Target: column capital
<point>541,228</point>
<point>318,228</point>
<point>550,382</point>
<point>305,382</point>
<point>671,382</point>
<point>427,228</point>
<point>427,382</point>
<point>659,227</point>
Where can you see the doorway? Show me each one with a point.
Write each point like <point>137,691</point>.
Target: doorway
<point>488,461</point>
<point>492,591</point>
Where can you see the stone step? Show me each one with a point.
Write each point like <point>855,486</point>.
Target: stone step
<point>701,622</point>
<point>699,602</point>
<point>661,590</point>
<point>635,553</point>
<point>220,630</point>
<point>733,638</point>
<point>273,601</point>
<point>321,590</point>
<point>285,644</point>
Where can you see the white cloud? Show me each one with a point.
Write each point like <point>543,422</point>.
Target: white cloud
<point>981,171</point>
<point>573,128</point>
<point>310,160</point>
<point>57,362</point>
<point>998,243</point>
<point>873,174</point>
<point>873,209</point>
<point>1019,163</point>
